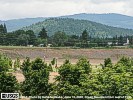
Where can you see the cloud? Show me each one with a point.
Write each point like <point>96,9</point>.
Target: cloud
<point>11,9</point>
<point>106,1</point>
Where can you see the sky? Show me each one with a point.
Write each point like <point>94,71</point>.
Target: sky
<point>15,9</point>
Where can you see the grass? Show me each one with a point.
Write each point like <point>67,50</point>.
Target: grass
<point>26,47</point>
<point>19,47</point>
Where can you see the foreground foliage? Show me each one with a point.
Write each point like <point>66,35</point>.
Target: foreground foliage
<point>111,80</point>
<point>36,78</point>
<point>73,80</point>
<point>5,63</point>
<point>8,82</point>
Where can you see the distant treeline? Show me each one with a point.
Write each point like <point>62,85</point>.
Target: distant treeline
<point>60,39</point>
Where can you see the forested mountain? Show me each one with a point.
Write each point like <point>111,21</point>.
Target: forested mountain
<point>16,24</point>
<point>116,20</point>
<point>111,19</point>
<point>76,27</point>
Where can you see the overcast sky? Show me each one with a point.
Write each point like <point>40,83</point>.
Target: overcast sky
<point>12,9</point>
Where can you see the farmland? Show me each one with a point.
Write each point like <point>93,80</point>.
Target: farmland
<point>100,74</point>
<point>95,56</point>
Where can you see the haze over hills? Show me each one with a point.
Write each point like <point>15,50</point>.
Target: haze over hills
<point>75,26</point>
<point>16,24</point>
<point>112,19</point>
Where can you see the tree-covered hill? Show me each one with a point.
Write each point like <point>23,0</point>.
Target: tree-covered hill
<point>76,27</point>
<point>111,19</point>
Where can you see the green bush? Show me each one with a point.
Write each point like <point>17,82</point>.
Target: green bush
<point>5,63</point>
<point>36,78</point>
<point>17,64</point>
<point>8,83</point>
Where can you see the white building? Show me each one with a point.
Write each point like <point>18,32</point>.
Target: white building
<point>127,42</point>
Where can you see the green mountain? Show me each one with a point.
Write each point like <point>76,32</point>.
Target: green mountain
<point>74,26</point>
<point>110,19</point>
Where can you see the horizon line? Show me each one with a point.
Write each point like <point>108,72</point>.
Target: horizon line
<point>61,16</point>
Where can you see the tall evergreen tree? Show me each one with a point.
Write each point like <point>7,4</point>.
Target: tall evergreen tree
<point>84,39</point>
<point>4,28</point>
<point>85,36</point>
<point>43,34</point>
<point>121,40</point>
<point>1,29</point>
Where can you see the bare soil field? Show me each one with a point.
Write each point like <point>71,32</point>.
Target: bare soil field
<point>95,56</point>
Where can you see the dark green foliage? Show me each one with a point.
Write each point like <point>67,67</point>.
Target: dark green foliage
<point>120,40</point>
<point>38,64</point>
<point>126,61</point>
<point>59,38</point>
<point>53,61</point>
<point>84,39</point>
<point>19,37</point>
<point>50,69</point>
<point>107,63</point>
<point>131,40</point>
<point>32,37</point>
<point>84,64</point>
<point>3,28</point>
<point>113,84</point>
<point>75,81</point>
<point>36,78</point>
<point>85,36</point>
<point>41,41</point>
<point>26,66</point>
<point>67,61</point>
<point>8,83</point>
<point>43,34</point>
<point>71,79</point>
<point>70,73</point>
<point>124,65</point>
<point>117,80</point>
<point>23,39</point>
